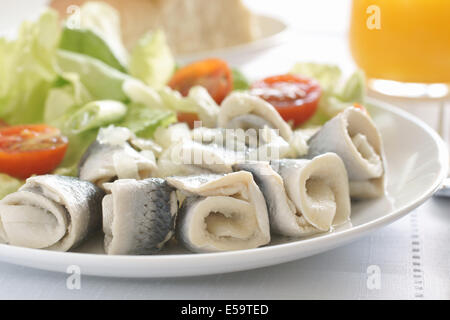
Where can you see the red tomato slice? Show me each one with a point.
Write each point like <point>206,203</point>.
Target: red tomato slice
<point>30,149</point>
<point>213,74</point>
<point>295,97</point>
<point>188,117</point>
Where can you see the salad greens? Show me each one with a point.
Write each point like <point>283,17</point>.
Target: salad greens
<point>88,42</point>
<point>240,82</point>
<point>79,78</point>
<point>78,144</point>
<point>143,121</point>
<point>27,70</point>
<point>96,24</point>
<point>198,101</point>
<point>335,95</point>
<point>327,75</point>
<point>101,80</point>
<point>8,184</point>
<point>96,114</point>
<point>73,77</point>
<point>66,92</point>
<point>152,61</point>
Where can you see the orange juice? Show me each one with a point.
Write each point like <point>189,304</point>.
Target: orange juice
<point>402,40</point>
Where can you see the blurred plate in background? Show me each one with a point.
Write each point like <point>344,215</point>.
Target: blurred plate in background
<point>273,33</point>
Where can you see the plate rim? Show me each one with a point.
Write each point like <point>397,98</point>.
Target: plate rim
<point>53,260</point>
<point>254,45</point>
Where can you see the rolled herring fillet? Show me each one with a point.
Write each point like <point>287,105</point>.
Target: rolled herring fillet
<point>215,151</point>
<point>353,136</point>
<point>221,212</point>
<point>138,216</point>
<point>246,145</point>
<point>51,212</point>
<point>104,162</point>
<point>191,157</point>
<point>303,196</point>
<point>244,111</point>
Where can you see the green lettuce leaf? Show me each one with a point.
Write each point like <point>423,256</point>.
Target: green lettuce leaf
<point>198,101</point>
<point>240,82</point>
<point>66,93</point>
<point>201,102</point>
<point>27,69</point>
<point>102,81</point>
<point>95,114</point>
<point>327,75</point>
<point>143,121</point>
<point>151,60</point>
<point>78,144</point>
<point>354,89</point>
<point>140,119</point>
<point>88,42</point>
<point>81,124</point>
<point>95,31</point>
<point>138,92</point>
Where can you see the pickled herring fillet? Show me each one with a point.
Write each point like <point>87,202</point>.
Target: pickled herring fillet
<point>244,111</point>
<point>221,212</point>
<point>303,196</point>
<point>51,212</point>
<point>352,135</point>
<point>138,216</point>
<point>103,163</point>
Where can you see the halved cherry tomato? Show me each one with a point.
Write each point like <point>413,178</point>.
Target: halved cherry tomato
<point>213,74</point>
<point>188,117</point>
<point>361,107</point>
<point>30,149</point>
<point>295,97</point>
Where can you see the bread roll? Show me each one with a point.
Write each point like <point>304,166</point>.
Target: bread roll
<point>190,25</point>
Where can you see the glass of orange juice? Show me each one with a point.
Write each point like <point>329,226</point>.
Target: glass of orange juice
<point>401,42</point>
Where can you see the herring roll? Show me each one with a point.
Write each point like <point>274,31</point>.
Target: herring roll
<point>221,212</point>
<point>114,155</point>
<point>244,111</point>
<point>216,150</point>
<point>303,196</point>
<point>192,157</point>
<point>138,216</point>
<point>51,212</point>
<point>353,136</point>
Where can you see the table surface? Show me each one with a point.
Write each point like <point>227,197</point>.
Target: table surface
<point>407,259</point>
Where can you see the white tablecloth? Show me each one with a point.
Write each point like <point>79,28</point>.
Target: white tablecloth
<point>408,259</point>
<point>412,255</point>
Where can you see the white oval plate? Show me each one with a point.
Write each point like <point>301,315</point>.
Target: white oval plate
<point>417,163</point>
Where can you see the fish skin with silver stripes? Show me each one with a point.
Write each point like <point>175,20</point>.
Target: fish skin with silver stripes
<point>51,212</point>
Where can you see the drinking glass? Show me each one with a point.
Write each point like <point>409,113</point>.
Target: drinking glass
<point>403,45</point>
